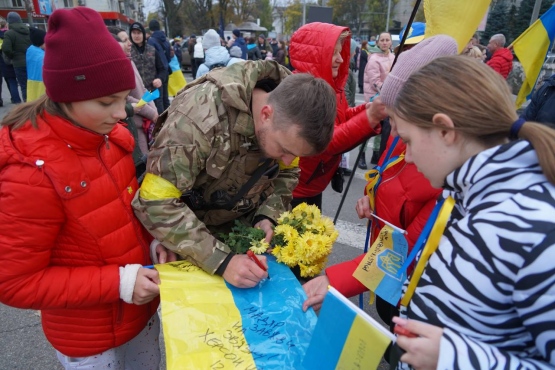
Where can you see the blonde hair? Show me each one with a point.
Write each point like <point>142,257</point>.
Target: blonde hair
<point>486,114</point>
<point>28,112</point>
<point>474,53</point>
<point>343,36</point>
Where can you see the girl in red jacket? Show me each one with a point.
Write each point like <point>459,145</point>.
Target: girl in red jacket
<point>73,248</point>
<point>404,196</point>
<point>323,50</point>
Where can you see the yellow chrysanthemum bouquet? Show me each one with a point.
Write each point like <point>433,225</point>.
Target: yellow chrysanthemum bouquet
<point>302,237</point>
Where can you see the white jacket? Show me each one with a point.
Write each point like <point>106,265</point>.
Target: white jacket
<point>199,51</point>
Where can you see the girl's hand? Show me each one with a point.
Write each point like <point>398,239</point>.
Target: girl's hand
<point>422,352</point>
<point>315,289</point>
<point>146,286</point>
<point>268,227</point>
<point>363,207</point>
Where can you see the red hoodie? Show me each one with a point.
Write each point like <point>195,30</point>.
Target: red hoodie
<point>311,51</point>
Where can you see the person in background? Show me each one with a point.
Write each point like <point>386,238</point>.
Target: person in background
<point>215,54</point>
<point>350,92</point>
<point>274,44</point>
<point>198,55</point>
<point>263,46</point>
<point>501,60</point>
<point>485,296</point>
<point>160,43</point>
<point>542,105</point>
<point>375,72</point>
<point>253,53</point>
<point>191,48</point>
<point>235,52</point>
<point>34,61</point>
<point>15,45</point>
<point>146,59</point>
<point>142,116</point>
<point>256,113</point>
<point>328,58</point>
<point>279,56</point>
<point>177,49</point>
<point>239,41</point>
<point>67,162</point>
<point>362,60</point>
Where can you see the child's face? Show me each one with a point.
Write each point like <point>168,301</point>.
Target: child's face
<point>99,115</point>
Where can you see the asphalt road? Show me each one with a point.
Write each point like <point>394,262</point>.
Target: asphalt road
<point>21,338</point>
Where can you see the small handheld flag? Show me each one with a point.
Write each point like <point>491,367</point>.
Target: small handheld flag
<point>148,96</point>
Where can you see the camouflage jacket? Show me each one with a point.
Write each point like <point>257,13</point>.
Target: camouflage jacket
<point>208,145</point>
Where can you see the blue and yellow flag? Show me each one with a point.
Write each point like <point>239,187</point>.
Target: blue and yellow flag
<point>35,85</point>
<point>345,337</point>
<point>531,49</point>
<point>381,269</point>
<point>177,80</point>
<point>148,96</point>
<point>209,324</point>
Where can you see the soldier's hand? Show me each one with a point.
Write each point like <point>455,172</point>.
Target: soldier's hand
<point>146,286</point>
<point>165,255</point>
<point>266,226</point>
<point>242,272</point>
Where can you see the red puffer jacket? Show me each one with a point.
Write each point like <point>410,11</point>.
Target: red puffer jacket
<point>65,207</point>
<point>404,198</point>
<point>311,51</point>
<point>502,62</point>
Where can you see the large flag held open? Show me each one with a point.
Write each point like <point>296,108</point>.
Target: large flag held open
<point>209,324</point>
<point>456,18</point>
<point>531,49</point>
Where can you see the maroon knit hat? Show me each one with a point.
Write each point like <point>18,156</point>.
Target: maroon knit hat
<point>72,73</point>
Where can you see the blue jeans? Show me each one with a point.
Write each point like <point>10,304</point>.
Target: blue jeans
<point>21,75</point>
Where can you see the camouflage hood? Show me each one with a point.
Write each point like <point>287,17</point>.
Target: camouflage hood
<point>237,81</point>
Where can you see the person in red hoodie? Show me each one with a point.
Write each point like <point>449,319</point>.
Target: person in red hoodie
<point>323,50</point>
<point>501,58</point>
<point>404,197</point>
<point>74,249</point>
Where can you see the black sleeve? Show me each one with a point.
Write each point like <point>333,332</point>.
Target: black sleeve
<point>161,71</point>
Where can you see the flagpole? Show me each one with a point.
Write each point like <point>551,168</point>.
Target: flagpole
<point>536,11</point>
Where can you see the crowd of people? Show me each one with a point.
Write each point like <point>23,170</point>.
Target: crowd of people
<point>94,191</point>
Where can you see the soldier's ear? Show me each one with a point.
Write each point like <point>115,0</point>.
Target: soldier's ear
<point>267,113</point>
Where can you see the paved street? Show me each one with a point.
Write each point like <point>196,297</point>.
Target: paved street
<point>25,347</point>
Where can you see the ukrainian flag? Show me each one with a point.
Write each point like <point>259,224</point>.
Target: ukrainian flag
<point>531,48</point>
<point>176,80</point>
<point>345,337</point>
<point>35,85</point>
<point>209,324</point>
<point>456,18</point>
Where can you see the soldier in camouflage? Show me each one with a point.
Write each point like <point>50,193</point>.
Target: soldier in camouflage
<point>224,153</point>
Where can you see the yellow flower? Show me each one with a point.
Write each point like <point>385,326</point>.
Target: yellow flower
<point>284,217</point>
<point>288,231</point>
<point>289,255</point>
<point>259,246</point>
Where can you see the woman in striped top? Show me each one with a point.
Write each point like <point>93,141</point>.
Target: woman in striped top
<point>486,299</point>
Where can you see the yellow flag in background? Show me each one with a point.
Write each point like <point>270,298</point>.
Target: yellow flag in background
<point>456,18</point>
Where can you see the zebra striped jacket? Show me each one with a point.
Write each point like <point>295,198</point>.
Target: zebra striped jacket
<point>491,283</point>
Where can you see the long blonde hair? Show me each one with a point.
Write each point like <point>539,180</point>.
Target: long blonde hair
<point>479,102</point>
<point>28,112</point>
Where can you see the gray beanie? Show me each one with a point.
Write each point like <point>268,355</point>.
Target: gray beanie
<point>235,52</point>
<point>412,60</point>
<point>13,17</point>
<point>210,39</point>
